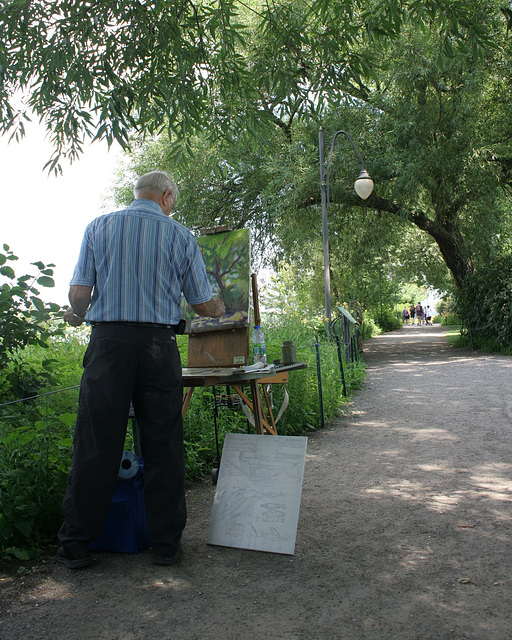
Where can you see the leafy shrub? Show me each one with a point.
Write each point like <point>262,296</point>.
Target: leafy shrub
<point>25,319</point>
<point>485,301</point>
<point>449,319</point>
<point>34,463</point>
<point>388,320</point>
<point>370,327</point>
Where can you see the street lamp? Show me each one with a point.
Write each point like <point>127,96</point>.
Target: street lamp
<point>363,186</point>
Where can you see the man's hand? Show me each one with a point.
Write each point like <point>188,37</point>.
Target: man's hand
<point>214,308</point>
<point>220,308</point>
<point>71,318</point>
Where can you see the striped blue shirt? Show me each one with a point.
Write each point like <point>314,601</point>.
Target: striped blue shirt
<point>139,262</point>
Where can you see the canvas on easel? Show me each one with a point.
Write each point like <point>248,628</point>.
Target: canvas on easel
<point>223,342</point>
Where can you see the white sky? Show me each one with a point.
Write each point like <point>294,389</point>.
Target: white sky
<point>43,216</point>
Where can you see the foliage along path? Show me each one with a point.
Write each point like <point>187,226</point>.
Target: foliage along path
<point>404,531</point>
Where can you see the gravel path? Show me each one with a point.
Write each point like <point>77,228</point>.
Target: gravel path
<point>404,531</point>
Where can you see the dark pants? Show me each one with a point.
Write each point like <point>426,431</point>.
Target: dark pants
<point>122,364</point>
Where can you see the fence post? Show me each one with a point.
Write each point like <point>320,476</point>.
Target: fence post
<point>354,348</point>
<point>347,339</point>
<point>319,376</point>
<point>340,358</point>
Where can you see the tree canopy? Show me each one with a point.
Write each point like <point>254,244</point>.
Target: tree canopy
<point>432,121</point>
<point>423,86</point>
<point>104,69</point>
<point>445,161</point>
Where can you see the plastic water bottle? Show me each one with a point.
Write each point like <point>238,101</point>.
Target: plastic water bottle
<point>258,345</point>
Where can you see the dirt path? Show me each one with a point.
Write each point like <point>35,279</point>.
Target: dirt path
<point>404,531</point>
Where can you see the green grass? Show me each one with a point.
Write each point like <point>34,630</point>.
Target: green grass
<point>463,341</point>
<point>452,334</point>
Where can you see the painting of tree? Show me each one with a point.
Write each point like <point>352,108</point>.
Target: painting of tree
<point>227,260</point>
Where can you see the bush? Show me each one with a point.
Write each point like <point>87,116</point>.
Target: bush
<point>35,458</point>
<point>388,319</point>
<point>449,319</point>
<point>370,327</point>
<point>25,320</point>
<point>485,302</point>
<point>35,463</point>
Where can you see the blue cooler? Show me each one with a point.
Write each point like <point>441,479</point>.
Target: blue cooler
<point>125,528</point>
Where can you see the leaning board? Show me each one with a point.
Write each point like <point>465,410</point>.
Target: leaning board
<point>258,493</point>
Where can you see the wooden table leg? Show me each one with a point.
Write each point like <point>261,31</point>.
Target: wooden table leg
<point>257,407</point>
<point>269,407</point>
<point>187,396</point>
<point>263,422</point>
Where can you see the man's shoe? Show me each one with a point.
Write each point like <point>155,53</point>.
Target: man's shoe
<point>73,563</point>
<point>166,561</point>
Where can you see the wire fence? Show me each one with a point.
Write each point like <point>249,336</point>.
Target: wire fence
<point>39,395</point>
<point>347,356</point>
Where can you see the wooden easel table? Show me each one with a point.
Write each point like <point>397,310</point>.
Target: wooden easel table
<point>236,377</point>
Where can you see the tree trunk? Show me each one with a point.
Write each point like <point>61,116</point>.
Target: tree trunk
<point>451,247</point>
<point>446,235</point>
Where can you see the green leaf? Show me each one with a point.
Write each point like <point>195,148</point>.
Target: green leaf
<point>48,363</point>
<point>15,552</point>
<point>67,419</point>
<point>46,281</point>
<point>8,272</point>
<point>448,46</point>
<point>38,303</point>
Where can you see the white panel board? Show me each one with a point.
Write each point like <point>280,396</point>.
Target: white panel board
<point>258,493</point>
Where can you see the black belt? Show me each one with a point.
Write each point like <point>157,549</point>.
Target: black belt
<point>145,325</point>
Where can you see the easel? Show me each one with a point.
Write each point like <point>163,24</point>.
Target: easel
<point>211,353</point>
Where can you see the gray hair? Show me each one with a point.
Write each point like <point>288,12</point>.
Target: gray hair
<point>156,182</point>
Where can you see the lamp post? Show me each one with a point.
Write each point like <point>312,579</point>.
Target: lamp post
<point>363,186</point>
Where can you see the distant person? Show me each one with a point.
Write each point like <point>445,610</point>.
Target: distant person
<point>132,269</point>
<point>412,313</point>
<point>428,315</point>
<point>419,313</point>
<point>405,315</point>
